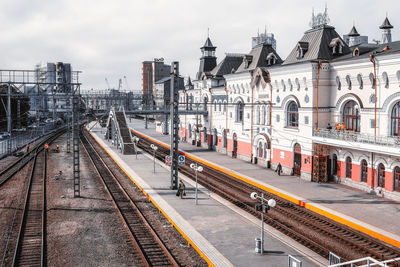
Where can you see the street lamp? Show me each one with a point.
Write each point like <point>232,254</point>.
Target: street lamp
<point>263,208</point>
<point>196,168</point>
<point>135,141</point>
<point>154,156</point>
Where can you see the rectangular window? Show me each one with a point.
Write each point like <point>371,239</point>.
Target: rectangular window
<point>277,118</point>
<point>305,119</point>
<point>372,123</point>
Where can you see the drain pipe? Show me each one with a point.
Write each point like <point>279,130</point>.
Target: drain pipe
<point>226,122</point>
<point>251,121</point>
<point>319,71</point>
<point>372,59</point>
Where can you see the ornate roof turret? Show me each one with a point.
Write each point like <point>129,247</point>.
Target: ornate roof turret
<point>353,32</point>
<point>386,24</point>
<point>208,43</point>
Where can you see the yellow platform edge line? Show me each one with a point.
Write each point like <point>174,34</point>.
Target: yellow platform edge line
<point>158,207</point>
<point>320,211</point>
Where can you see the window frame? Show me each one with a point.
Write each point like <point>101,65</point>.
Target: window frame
<point>292,123</point>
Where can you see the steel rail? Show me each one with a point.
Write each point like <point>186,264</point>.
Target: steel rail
<point>16,166</point>
<point>140,229</point>
<point>33,227</point>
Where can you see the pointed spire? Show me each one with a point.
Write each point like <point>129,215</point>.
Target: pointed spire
<point>353,31</point>
<point>265,30</point>
<point>386,24</point>
<point>189,82</point>
<point>258,32</point>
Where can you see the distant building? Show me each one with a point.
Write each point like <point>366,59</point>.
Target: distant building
<point>152,71</point>
<point>102,100</point>
<point>54,81</point>
<point>354,38</point>
<point>264,38</point>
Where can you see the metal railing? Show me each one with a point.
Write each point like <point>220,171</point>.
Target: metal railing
<point>366,262</point>
<point>20,140</point>
<point>357,137</point>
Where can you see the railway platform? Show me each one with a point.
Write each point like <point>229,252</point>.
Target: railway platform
<point>363,211</point>
<point>223,235</point>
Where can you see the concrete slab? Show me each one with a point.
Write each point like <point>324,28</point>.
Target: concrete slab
<point>223,234</point>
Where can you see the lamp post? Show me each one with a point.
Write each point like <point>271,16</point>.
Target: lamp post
<point>263,208</point>
<point>154,156</point>
<point>135,141</point>
<point>196,169</point>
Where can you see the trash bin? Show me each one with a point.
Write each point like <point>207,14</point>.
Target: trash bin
<point>258,245</point>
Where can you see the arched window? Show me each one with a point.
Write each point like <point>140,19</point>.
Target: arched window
<point>360,81</point>
<point>224,106</point>
<point>296,81</point>
<point>260,150</point>
<point>381,175</point>
<point>364,171</point>
<point>283,85</point>
<point>372,80</point>
<point>351,116</point>
<point>215,105</point>
<point>220,106</point>
<point>385,79</point>
<point>348,167</point>
<point>348,81</point>
<point>239,111</point>
<point>396,179</point>
<point>338,83</point>
<point>258,114</point>
<point>395,119</point>
<point>292,115</point>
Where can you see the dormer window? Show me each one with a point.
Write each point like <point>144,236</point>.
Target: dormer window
<point>247,59</point>
<point>356,52</point>
<point>336,46</point>
<point>302,48</point>
<point>271,59</point>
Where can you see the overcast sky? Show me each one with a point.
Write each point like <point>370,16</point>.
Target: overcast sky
<point>111,38</point>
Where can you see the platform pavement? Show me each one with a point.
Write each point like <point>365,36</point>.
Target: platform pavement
<point>371,211</point>
<point>224,235</point>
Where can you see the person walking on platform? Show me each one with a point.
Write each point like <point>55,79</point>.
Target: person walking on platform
<point>181,189</point>
<point>279,169</point>
<point>27,148</point>
<point>46,146</point>
<point>57,148</point>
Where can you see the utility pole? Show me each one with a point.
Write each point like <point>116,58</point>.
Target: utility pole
<point>9,109</point>
<point>9,118</point>
<point>174,93</point>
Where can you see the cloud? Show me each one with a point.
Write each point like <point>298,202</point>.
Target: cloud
<point>111,38</point>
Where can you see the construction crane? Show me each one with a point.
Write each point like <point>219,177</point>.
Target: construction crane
<point>120,85</point>
<point>108,85</point>
<point>126,83</point>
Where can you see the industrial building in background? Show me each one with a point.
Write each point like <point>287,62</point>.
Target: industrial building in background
<point>152,71</point>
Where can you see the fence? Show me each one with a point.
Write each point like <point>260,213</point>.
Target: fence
<point>20,139</point>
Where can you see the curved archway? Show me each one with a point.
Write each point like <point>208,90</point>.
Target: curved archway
<point>364,171</point>
<point>349,167</point>
<point>396,179</point>
<point>297,159</point>
<point>235,145</point>
<point>381,175</point>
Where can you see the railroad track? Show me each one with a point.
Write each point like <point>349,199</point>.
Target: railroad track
<point>151,248</point>
<point>16,166</point>
<point>30,249</point>
<point>320,234</point>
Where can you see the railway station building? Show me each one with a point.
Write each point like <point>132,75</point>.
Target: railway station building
<point>329,111</point>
